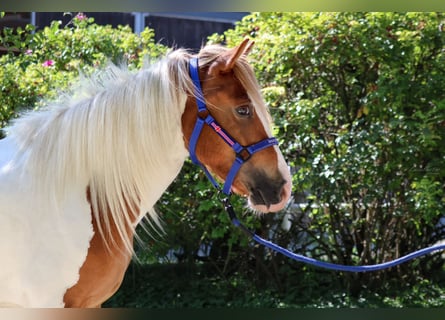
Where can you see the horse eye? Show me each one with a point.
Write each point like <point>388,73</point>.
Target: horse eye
<point>243,111</point>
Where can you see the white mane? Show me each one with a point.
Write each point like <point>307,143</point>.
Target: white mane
<point>114,134</point>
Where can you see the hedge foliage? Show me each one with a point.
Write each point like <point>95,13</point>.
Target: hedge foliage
<point>40,64</point>
<point>359,106</point>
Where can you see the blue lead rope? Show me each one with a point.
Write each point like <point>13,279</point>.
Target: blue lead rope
<point>239,160</point>
<point>327,265</point>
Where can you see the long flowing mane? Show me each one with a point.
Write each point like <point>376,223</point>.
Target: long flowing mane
<point>113,133</point>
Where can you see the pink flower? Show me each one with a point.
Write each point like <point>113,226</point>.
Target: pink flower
<point>48,63</point>
<point>28,52</point>
<point>81,16</point>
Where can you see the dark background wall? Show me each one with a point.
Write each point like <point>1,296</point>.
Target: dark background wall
<point>174,29</point>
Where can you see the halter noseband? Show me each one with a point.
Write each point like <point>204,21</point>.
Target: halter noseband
<point>243,153</point>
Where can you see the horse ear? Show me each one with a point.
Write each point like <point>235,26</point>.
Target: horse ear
<point>226,62</point>
<point>248,47</point>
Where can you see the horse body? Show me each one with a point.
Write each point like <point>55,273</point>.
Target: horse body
<point>59,239</point>
<point>76,179</point>
<point>41,249</point>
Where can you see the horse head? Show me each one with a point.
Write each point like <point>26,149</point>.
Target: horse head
<point>238,116</point>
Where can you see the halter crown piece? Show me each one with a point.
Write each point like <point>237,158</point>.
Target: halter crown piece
<point>242,155</point>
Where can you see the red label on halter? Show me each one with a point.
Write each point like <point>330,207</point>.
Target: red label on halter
<point>221,133</point>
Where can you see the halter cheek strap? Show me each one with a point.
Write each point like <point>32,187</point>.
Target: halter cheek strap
<point>243,153</point>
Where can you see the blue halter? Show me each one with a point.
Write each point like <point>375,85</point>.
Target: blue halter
<point>243,153</point>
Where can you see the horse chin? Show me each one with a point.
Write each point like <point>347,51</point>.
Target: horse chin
<point>267,209</point>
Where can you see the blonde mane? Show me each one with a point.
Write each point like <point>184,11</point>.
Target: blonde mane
<point>114,133</point>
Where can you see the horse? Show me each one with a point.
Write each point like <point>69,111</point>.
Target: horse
<point>79,175</point>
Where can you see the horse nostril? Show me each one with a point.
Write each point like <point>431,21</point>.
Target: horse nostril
<point>283,193</point>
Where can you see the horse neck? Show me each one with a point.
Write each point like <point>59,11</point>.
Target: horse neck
<point>161,176</point>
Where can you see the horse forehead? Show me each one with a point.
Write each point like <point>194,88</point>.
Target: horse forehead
<point>224,84</point>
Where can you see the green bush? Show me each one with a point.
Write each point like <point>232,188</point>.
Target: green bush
<point>359,107</point>
<point>359,114</point>
<point>49,60</point>
<point>178,286</point>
